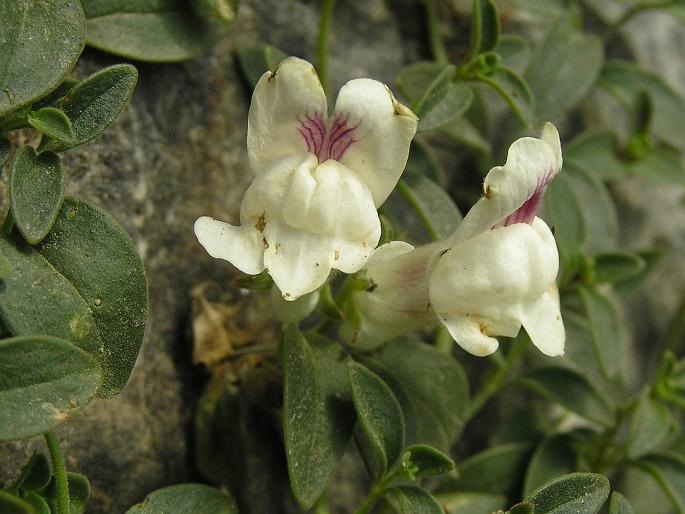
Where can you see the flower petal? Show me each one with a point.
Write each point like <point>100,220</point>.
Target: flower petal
<point>382,131</point>
<point>238,245</point>
<point>281,101</point>
<point>531,164</point>
<point>542,320</point>
<point>467,333</point>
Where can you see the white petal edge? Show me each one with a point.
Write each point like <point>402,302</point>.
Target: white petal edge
<point>467,334</point>
<point>237,245</point>
<point>542,320</point>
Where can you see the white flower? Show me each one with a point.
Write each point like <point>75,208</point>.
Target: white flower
<point>500,268</point>
<point>318,179</point>
<point>495,273</point>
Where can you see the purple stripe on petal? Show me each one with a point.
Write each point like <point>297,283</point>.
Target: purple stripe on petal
<point>327,142</point>
<point>526,213</point>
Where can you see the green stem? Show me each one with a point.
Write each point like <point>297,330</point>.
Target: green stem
<point>60,470</point>
<point>322,45</point>
<point>377,491</point>
<point>615,27</point>
<point>496,381</point>
<point>433,27</point>
<point>321,505</point>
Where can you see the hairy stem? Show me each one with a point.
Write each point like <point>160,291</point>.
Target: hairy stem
<point>433,27</point>
<point>60,470</point>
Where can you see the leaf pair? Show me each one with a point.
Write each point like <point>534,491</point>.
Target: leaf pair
<point>83,284</point>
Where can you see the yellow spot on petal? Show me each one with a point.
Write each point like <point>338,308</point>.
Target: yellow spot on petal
<point>261,224</point>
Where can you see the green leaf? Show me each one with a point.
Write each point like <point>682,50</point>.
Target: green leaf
<point>498,470</point>
<point>53,123</point>
<point>434,206</point>
<point>422,162</point>
<point>514,53</point>
<point>619,504</point>
<point>572,390</point>
<point>43,381</point>
<point>40,506</point>
<point>596,152</point>
<point>598,210</point>
<point>87,285</point>
<point>442,101</point>
<point>421,460</point>
<point>379,414</point>
<point>260,282</point>
<point>35,475</point>
<point>410,499</point>
<point>564,66</point>
<point>522,508</point>
<point>466,502</point>
<point>93,104</point>
<point>668,469</point>
<point>11,504</point>
<point>430,386</point>
<point>5,266</point>
<point>156,30</point>
<point>36,192</point>
<point>79,492</point>
<point>563,212</point>
<point>184,499</point>
<point>605,329</point>
<point>616,266</point>
<point>485,29</point>
<point>515,91</point>
<point>626,81</point>
<point>318,414</point>
<point>661,165</point>
<point>582,493</point>
<point>414,80</point>
<point>555,456</point>
<point>650,425</point>
<point>39,45</point>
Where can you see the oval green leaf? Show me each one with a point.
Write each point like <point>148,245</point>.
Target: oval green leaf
<point>617,266</point>
<point>430,386</point>
<point>93,104</point>
<point>443,101</point>
<point>485,29</point>
<point>157,30</point>
<point>498,470</point>
<point>572,390</point>
<point>11,504</point>
<point>184,499</point>
<point>43,381</point>
<point>626,81</point>
<point>583,493</point>
<point>5,151</point>
<point>650,425</point>
<point>318,414</point>
<point>563,68</point>
<point>39,45</point>
<point>414,80</point>
<point>597,153</point>
<point>53,123</point>
<point>379,414</point>
<point>553,458</point>
<point>668,469</point>
<point>35,475</point>
<point>410,499</point>
<point>605,329</point>
<point>619,504</point>
<point>427,461</point>
<point>467,502</point>
<point>36,192</point>
<point>433,205</point>
<point>96,255</point>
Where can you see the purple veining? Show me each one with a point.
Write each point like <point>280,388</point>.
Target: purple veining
<point>327,140</point>
<point>526,213</point>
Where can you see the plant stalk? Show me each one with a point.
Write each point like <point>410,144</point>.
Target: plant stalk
<point>60,470</point>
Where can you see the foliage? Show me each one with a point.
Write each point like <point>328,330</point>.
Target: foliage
<point>518,431</point>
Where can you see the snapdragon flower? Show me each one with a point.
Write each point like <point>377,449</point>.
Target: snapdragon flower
<point>495,273</point>
<point>318,179</point>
